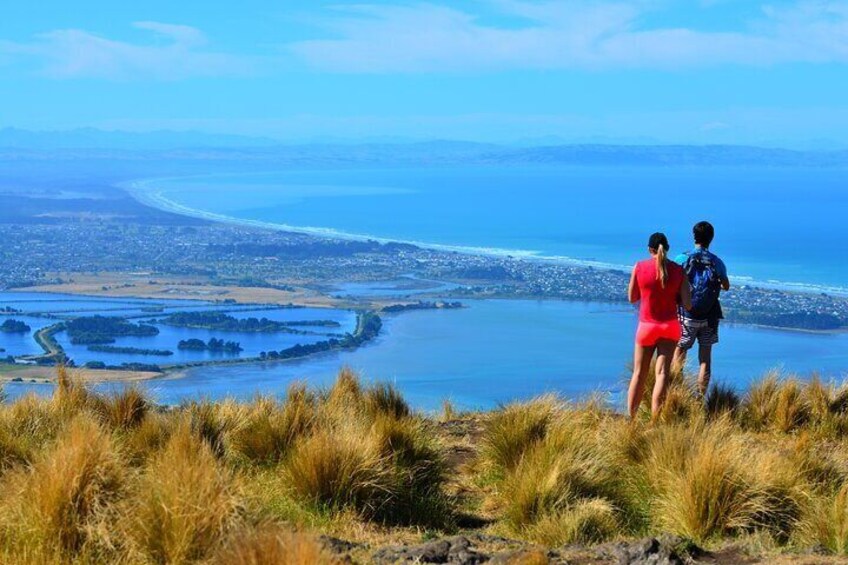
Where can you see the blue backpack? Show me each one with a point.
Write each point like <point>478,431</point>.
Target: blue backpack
<point>705,282</point>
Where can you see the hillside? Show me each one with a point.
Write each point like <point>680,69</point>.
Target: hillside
<point>352,474</point>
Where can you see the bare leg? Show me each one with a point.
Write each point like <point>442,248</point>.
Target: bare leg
<point>679,361</point>
<point>641,364</point>
<point>665,351</point>
<point>705,358</point>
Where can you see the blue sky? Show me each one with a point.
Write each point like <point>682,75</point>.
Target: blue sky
<point>699,71</point>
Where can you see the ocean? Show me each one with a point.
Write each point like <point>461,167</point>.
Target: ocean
<point>775,226</point>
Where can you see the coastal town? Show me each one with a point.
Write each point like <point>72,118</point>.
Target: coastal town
<point>60,251</point>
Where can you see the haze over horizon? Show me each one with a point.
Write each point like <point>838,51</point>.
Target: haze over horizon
<point>504,71</point>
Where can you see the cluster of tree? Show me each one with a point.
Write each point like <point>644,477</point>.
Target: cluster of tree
<point>216,345</point>
<point>422,305</point>
<point>144,367</point>
<point>14,327</point>
<point>368,326</point>
<point>129,350</point>
<point>98,330</point>
<point>224,322</point>
<point>9,310</point>
<point>819,321</point>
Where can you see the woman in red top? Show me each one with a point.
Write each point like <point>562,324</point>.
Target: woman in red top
<point>660,286</point>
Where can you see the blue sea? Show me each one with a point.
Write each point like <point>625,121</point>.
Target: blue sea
<point>774,226</point>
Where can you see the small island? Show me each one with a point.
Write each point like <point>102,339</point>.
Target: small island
<point>213,345</point>
<point>139,367</point>
<point>129,350</point>
<point>423,305</point>
<point>101,330</point>
<point>221,321</point>
<point>368,327</point>
<point>14,327</point>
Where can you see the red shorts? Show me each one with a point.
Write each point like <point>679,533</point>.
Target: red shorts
<point>649,333</point>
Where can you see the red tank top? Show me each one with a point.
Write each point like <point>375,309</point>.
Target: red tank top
<point>658,304</point>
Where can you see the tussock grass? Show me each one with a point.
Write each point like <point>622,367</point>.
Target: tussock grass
<point>185,503</point>
<point>124,409</point>
<point>268,429</point>
<point>722,400</point>
<point>827,521</point>
<point>750,467</point>
<point>585,522</point>
<point>56,506</point>
<point>340,469</point>
<point>516,428</point>
<point>91,478</point>
<point>366,452</point>
<point>273,546</point>
<point>385,399</point>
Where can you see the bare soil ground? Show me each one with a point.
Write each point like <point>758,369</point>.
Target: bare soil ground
<point>16,373</point>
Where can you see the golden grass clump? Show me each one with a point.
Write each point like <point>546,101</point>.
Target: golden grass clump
<point>346,392</point>
<point>708,496</point>
<point>366,452</point>
<point>516,428</point>
<point>211,422</point>
<point>775,404</point>
<point>124,409</point>
<point>682,402</point>
<point>273,546</point>
<point>70,396</point>
<point>338,469</point>
<point>827,521</point>
<point>557,475</point>
<point>184,505</point>
<point>15,448</point>
<point>722,400</point>
<point>142,441</point>
<point>59,504</point>
<point>418,473</point>
<point>385,399</point>
<point>269,429</point>
<point>585,522</point>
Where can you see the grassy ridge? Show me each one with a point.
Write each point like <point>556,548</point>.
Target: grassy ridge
<point>89,478</point>
<point>769,467</point>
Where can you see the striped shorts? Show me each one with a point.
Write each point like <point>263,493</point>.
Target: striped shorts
<point>702,330</point>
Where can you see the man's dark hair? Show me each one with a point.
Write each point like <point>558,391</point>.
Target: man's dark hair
<point>704,233</point>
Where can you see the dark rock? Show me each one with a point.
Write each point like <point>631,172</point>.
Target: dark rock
<point>817,549</point>
<point>523,556</point>
<point>650,551</point>
<point>458,550</point>
<point>338,546</point>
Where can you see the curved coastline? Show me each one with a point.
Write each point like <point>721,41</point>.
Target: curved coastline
<point>143,191</point>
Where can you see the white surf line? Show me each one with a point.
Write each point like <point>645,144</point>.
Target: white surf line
<point>144,193</point>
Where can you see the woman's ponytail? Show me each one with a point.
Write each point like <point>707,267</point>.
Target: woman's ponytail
<point>662,271</point>
<point>658,244</point>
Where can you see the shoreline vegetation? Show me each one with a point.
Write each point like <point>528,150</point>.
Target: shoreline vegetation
<point>368,326</point>
<point>225,322</point>
<point>351,474</point>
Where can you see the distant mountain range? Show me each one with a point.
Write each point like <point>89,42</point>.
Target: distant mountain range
<point>92,138</point>
<point>194,147</point>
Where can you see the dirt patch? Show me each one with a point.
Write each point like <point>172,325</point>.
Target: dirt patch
<point>17,373</point>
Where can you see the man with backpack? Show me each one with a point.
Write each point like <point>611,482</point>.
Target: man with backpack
<point>707,276</point>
